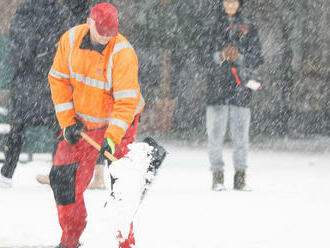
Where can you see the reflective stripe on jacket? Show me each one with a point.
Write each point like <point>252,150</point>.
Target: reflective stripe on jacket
<point>99,89</point>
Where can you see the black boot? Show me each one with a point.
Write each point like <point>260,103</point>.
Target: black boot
<point>239,180</point>
<point>218,181</point>
<point>62,246</point>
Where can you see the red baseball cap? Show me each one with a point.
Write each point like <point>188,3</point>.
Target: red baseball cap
<point>105,16</point>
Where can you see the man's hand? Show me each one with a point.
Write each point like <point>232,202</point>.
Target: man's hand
<point>72,133</point>
<point>230,53</point>
<point>109,146</point>
<point>244,28</point>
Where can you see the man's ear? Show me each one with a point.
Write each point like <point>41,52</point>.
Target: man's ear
<point>89,20</point>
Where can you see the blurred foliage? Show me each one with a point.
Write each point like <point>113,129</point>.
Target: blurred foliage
<point>5,70</point>
<point>38,140</point>
<point>295,99</point>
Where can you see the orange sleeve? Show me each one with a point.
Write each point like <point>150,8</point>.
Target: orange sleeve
<point>59,80</point>
<point>128,100</point>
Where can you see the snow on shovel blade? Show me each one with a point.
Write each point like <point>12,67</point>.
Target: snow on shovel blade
<point>125,197</point>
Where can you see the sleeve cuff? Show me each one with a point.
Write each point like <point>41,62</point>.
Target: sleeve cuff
<point>217,58</point>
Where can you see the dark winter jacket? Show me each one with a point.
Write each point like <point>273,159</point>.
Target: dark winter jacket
<point>34,33</point>
<point>222,87</point>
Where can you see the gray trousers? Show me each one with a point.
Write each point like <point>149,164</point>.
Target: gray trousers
<point>238,119</point>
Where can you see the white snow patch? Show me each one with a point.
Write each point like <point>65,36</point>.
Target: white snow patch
<point>4,128</point>
<point>288,207</point>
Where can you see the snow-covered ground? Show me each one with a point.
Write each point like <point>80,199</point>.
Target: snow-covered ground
<point>288,207</point>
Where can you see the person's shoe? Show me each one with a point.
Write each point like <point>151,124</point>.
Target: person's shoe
<point>5,182</point>
<point>239,181</point>
<point>218,181</point>
<point>60,246</point>
<point>42,179</point>
<point>97,185</point>
<point>98,182</point>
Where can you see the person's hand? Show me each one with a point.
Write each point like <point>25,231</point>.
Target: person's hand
<point>244,28</point>
<point>230,53</point>
<point>72,133</point>
<point>109,146</point>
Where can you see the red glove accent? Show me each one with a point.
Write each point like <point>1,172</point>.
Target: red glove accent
<point>129,137</point>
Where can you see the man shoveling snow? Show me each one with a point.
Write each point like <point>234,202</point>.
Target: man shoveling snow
<point>95,89</point>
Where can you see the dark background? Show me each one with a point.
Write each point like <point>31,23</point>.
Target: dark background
<point>294,101</point>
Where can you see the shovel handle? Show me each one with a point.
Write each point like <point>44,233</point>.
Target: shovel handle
<point>98,147</point>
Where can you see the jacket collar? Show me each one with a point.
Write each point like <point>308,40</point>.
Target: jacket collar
<point>87,44</point>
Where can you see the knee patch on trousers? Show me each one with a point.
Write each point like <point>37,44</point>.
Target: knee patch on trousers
<point>63,181</point>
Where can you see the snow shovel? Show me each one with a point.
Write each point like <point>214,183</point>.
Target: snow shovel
<point>158,155</point>
<point>98,147</point>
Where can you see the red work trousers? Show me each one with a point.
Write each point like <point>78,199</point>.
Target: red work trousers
<point>71,173</point>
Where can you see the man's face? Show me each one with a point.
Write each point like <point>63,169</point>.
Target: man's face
<point>231,6</point>
<point>95,36</point>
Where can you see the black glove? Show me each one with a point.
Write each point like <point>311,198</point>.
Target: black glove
<point>109,146</point>
<point>72,133</point>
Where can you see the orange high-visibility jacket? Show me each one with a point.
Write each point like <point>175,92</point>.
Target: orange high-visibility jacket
<point>98,89</point>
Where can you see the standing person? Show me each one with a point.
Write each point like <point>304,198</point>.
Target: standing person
<point>79,11</point>
<point>94,85</point>
<point>34,33</point>
<point>235,48</point>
